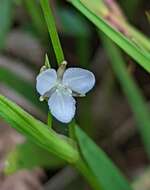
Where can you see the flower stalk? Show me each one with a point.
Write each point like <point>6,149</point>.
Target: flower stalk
<point>52,30</point>
<point>80,165</point>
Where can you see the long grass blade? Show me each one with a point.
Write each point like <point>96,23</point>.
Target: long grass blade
<point>131,90</point>
<point>134,49</point>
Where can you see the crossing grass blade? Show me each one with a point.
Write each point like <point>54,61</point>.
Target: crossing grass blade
<point>132,48</point>
<point>36,131</point>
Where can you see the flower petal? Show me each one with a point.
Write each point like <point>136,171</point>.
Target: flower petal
<point>79,80</point>
<point>46,80</point>
<point>62,106</point>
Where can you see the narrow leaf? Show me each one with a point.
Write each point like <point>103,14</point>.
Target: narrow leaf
<point>131,90</point>
<point>106,173</point>
<point>137,52</point>
<point>37,131</point>
<point>52,30</point>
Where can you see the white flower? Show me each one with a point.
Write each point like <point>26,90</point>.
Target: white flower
<point>60,87</point>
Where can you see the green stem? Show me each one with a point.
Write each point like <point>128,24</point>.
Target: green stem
<point>52,30</point>
<point>49,120</point>
<point>79,165</point>
<point>54,38</point>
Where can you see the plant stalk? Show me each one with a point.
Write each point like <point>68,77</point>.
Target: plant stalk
<point>52,30</point>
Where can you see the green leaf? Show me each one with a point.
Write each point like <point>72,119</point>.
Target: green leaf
<point>131,90</point>
<point>106,173</point>
<point>132,48</point>
<point>37,132</point>
<point>29,156</point>
<point>6,7</point>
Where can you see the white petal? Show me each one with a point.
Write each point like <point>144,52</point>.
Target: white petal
<point>79,80</point>
<point>45,81</point>
<point>62,106</point>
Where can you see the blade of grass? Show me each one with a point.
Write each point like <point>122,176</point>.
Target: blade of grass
<point>131,90</point>
<point>52,30</point>
<point>40,134</point>
<point>106,173</point>
<point>36,131</point>
<point>119,23</point>
<point>134,50</point>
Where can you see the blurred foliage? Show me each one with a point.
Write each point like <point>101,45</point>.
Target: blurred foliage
<point>29,156</point>
<point>21,86</point>
<point>6,19</point>
<point>135,98</point>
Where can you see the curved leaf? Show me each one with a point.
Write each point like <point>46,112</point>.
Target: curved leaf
<point>135,50</point>
<point>106,173</point>
<point>37,131</point>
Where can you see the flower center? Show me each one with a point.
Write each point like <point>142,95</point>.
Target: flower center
<point>64,89</point>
